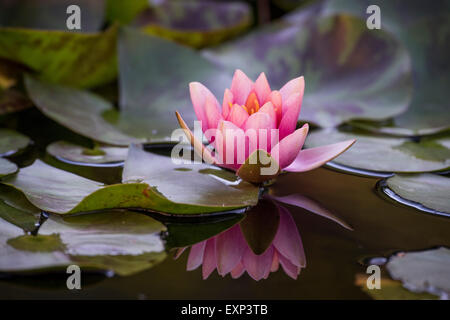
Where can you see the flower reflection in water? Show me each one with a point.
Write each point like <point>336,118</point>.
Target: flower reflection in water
<point>230,253</point>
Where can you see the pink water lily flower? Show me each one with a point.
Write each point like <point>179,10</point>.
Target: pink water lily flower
<point>271,114</point>
<point>229,253</point>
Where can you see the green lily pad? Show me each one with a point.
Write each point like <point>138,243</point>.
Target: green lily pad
<point>14,260</point>
<point>16,209</point>
<point>184,234</point>
<point>421,28</point>
<point>214,22</point>
<point>63,57</point>
<point>260,226</point>
<point>7,167</point>
<point>188,187</point>
<point>428,190</point>
<point>121,241</point>
<point>12,100</point>
<point>62,192</point>
<point>50,14</point>
<point>154,76</point>
<point>69,152</point>
<point>151,182</point>
<point>108,233</point>
<point>423,271</point>
<point>77,110</point>
<point>386,154</point>
<point>38,243</point>
<point>12,142</point>
<point>351,72</point>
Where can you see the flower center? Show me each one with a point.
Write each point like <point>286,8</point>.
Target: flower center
<point>252,104</point>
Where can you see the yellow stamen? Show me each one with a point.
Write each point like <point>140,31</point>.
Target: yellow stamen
<point>252,103</point>
<point>256,103</point>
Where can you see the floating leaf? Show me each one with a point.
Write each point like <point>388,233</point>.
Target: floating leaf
<point>423,271</point>
<point>99,241</point>
<point>424,190</point>
<point>214,22</point>
<point>16,209</point>
<point>109,233</point>
<point>37,243</point>
<point>260,226</point>
<point>58,191</point>
<point>68,152</point>
<point>351,72</point>
<point>7,167</point>
<point>50,14</point>
<point>421,28</point>
<point>77,110</point>
<point>386,154</point>
<point>62,192</point>
<point>14,260</point>
<point>154,83</point>
<point>11,142</point>
<point>63,57</point>
<point>188,187</point>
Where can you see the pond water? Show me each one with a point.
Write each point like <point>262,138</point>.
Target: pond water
<point>335,256</point>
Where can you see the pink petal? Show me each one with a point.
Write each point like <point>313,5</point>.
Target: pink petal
<point>209,258</point>
<point>199,94</point>
<point>287,240</point>
<point>259,120</point>
<point>287,149</point>
<point>290,269</point>
<point>230,246</point>
<point>256,126</point>
<point>291,110</point>
<point>295,86</point>
<point>275,262</point>
<point>275,98</point>
<point>212,112</point>
<point>311,205</point>
<point>309,159</point>
<point>238,115</point>
<point>262,88</point>
<point>238,271</point>
<point>230,145</point>
<point>258,266</point>
<point>195,258</point>
<point>227,102</point>
<point>270,110</point>
<point>241,86</point>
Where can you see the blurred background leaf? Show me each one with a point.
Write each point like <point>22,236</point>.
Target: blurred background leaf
<point>350,72</point>
<point>196,23</point>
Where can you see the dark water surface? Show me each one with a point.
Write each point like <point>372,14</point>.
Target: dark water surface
<point>334,255</point>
